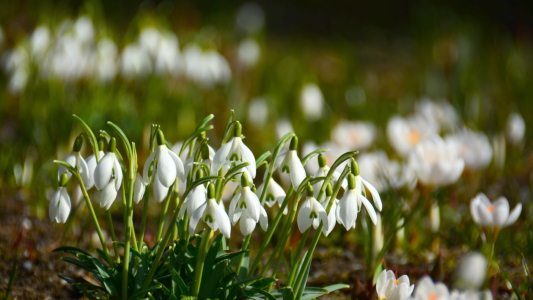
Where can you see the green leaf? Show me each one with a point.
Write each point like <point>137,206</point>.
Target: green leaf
<point>261,292</point>
<point>184,290</point>
<point>262,158</point>
<point>263,282</point>
<point>227,129</point>
<point>334,287</point>
<point>233,171</point>
<point>310,155</point>
<point>70,250</point>
<point>288,293</point>
<point>193,136</point>
<point>166,290</point>
<point>144,292</point>
<point>90,135</point>
<point>123,137</point>
<point>210,280</point>
<point>229,256</point>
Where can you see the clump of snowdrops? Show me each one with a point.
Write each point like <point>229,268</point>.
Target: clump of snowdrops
<point>193,255</point>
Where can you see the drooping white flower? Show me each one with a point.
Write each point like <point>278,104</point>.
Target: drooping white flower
<point>249,52</point>
<point>246,208</point>
<point>471,271</point>
<point>39,42</point>
<point>77,162</point>
<point>351,202</point>
<point>333,212</point>
<point>213,214</point>
<point>92,162</point>
<point>435,162</point>
<point>291,164</point>
<point>138,189</point>
<point>405,133</point>
<point>59,207</point>
<point>108,194</point>
<point>106,66</point>
<point>311,213</point>
<point>84,30</point>
<point>390,288</point>
<point>426,289</point>
<point>354,135</point>
<point>196,198</point>
<point>168,58</point>
<point>234,152</point>
<point>274,194</point>
<point>135,62</point>
<point>496,214</point>
<point>108,169</point>
<point>516,129</point>
<point>473,147</point>
<point>312,102</point>
<point>258,112</point>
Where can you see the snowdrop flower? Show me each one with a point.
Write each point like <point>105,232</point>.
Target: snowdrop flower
<point>77,162</point>
<point>426,289</point>
<point>245,206</point>
<point>292,165</point>
<point>323,170</point>
<point>16,64</point>
<point>471,272</point>
<point>213,214</point>
<point>354,135</point>
<point>274,193</point>
<point>438,112</point>
<point>106,61</point>
<point>435,162</point>
<point>333,212</point>
<point>496,214</point>
<point>473,147</point>
<point>168,59</point>
<point>135,62</point>
<point>249,52</point>
<point>405,133</point>
<point>149,39</point>
<point>516,128</point>
<point>84,30</point>
<point>390,288</point>
<point>311,213</point>
<point>350,204</point>
<point>331,155</point>
<point>138,189</point>
<point>196,198</point>
<point>312,102</point>
<point>258,112</point>
<point>234,152</point>
<point>167,166</point>
<point>40,41</point>
<point>108,176</point>
<point>92,162</point>
<point>59,207</point>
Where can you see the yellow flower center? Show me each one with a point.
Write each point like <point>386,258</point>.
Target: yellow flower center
<point>413,136</point>
<point>491,208</point>
<point>397,282</point>
<point>433,297</point>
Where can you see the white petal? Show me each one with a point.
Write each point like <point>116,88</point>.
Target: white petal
<point>195,218</point>
<point>485,216</point>
<point>91,166</point>
<point>348,209</point>
<point>107,196</point>
<point>138,189</point>
<point>166,167</point>
<point>160,191</point>
<point>64,206</point>
<point>220,157</point>
<point>71,160</point>
<point>248,156</point>
<point>474,209</point>
<point>514,215</point>
<point>222,219</point>
<point>369,209</point>
<point>500,214</point>
<point>252,204</point>
<point>263,219</point>
<point>118,173</point>
<point>180,170</point>
<point>147,167</point>
<point>234,217</point>
<point>247,224</point>
<point>304,221</point>
<point>82,167</point>
<point>297,171</point>
<point>375,194</point>
<point>103,171</point>
<point>53,206</point>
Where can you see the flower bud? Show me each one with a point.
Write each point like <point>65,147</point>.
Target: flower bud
<point>77,144</point>
<point>310,191</point>
<point>237,129</point>
<point>354,167</point>
<point>294,144</point>
<point>322,161</point>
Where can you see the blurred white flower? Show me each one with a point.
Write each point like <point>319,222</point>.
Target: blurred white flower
<point>405,133</point>
<point>435,162</point>
<point>249,52</point>
<point>390,288</point>
<point>258,112</point>
<point>354,135</point>
<point>438,112</point>
<point>135,62</point>
<point>149,39</point>
<point>378,238</point>
<point>487,214</point>
<point>516,129</point>
<point>250,18</point>
<point>168,58</point>
<point>84,30</point>
<point>283,126</point>
<point>205,68</point>
<point>426,289</point>
<point>40,40</point>
<point>312,102</point>
<point>106,62</point>
<point>384,173</point>
<point>16,64</point>
<point>473,147</point>
<point>471,271</point>
<point>59,207</point>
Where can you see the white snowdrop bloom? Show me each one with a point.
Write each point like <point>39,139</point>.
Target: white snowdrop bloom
<point>106,62</point>
<point>333,212</point>
<point>323,170</point>
<point>250,18</point>
<point>405,133</point>
<point>258,112</point>
<point>213,214</point>
<point>91,166</point>
<point>69,60</point>
<point>246,209</point>
<point>312,102</point>
<point>196,197</point>
<point>108,172</point>
<point>438,112</point>
<point>354,135</point>
<point>167,167</point>
<point>108,194</point>
<point>435,162</point>
<point>234,152</point>
<point>311,213</point>
<point>16,64</point>
<point>138,189</point>
<point>59,207</point>
<point>331,155</point>
<point>291,164</point>
<point>351,202</point>
<point>77,162</point>
<point>496,214</point>
<point>274,193</point>
<point>249,52</point>
<point>471,271</point>
<point>135,62</point>
<point>206,68</point>
<point>84,30</point>
<point>149,40</point>
<point>516,129</point>
<point>473,147</point>
<point>390,288</point>
<point>40,40</point>
<point>426,289</point>
<point>168,57</point>
<point>218,67</point>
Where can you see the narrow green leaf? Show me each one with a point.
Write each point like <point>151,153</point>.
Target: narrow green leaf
<point>262,158</point>
<point>334,287</point>
<point>310,155</point>
<point>144,292</point>
<point>90,135</point>
<point>70,250</point>
<point>123,137</point>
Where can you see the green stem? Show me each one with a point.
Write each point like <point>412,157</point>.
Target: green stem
<point>113,236</point>
<point>307,261</point>
<point>294,266</point>
<point>199,269</point>
<point>128,232</point>
<point>164,213</point>
<point>143,220</point>
<point>244,247</point>
<point>12,276</point>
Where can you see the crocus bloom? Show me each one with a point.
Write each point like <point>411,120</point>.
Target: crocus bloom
<point>311,213</point>
<point>473,147</point>
<point>292,165</point>
<point>234,151</point>
<point>435,162</point>
<point>350,204</point>
<point>213,214</point>
<point>246,208</point>
<point>426,289</point>
<point>77,162</point>
<point>59,207</point>
<point>390,288</point>
<point>405,133</point>
<point>438,112</point>
<point>354,135</point>
<point>496,214</point>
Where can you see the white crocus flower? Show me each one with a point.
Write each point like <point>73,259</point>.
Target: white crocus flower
<point>354,135</point>
<point>77,162</point>
<point>390,288</point>
<point>138,189</point>
<point>234,152</point>
<point>311,213</point>
<point>246,208</point>
<point>196,198</point>
<point>426,289</point>
<point>473,147</point>
<point>167,166</point>
<point>496,214</point>
<point>213,214</point>
<point>350,204</point>
<point>440,112</point>
<point>292,165</point>
<point>405,133</point>
<point>59,207</point>
<point>274,194</point>
<point>436,162</point>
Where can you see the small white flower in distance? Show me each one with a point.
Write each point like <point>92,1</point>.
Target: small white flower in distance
<point>354,135</point>
<point>405,133</point>
<point>435,162</point>
<point>249,52</point>
<point>59,207</point>
<point>496,214</point>
<point>312,102</point>
<point>426,289</point>
<point>473,147</point>
<point>439,112</point>
<point>234,152</point>
<point>291,164</point>
<point>390,288</point>
<point>311,213</point>
<point>77,162</point>
<point>212,213</point>
<point>516,129</point>
<point>471,271</point>
<point>246,208</point>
